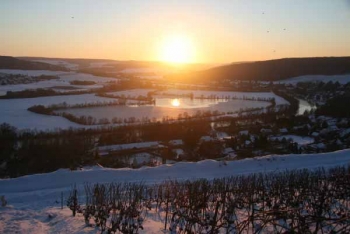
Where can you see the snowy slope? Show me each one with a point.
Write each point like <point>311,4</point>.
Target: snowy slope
<point>34,200</point>
<point>209,169</point>
<point>342,79</point>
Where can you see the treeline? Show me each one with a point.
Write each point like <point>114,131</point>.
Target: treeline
<point>220,97</point>
<point>147,99</point>
<point>38,93</point>
<point>89,120</point>
<point>32,155</point>
<point>10,79</point>
<point>294,103</point>
<point>270,70</point>
<point>336,107</point>
<point>300,201</point>
<point>82,82</point>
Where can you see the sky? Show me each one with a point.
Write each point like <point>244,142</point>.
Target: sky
<point>219,31</point>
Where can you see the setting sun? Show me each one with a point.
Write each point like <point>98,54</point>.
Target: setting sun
<point>177,49</point>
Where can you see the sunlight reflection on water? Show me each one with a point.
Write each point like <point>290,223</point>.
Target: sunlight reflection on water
<point>186,103</point>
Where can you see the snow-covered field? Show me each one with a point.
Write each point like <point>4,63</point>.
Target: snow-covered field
<point>62,63</point>
<point>64,80</point>
<point>31,199</point>
<point>161,111</point>
<point>297,139</point>
<point>342,79</point>
<point>132,92</point>
<point>14,111</point>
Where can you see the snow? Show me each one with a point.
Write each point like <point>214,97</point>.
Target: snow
<point>244,132</point>
<point>206,139</point>
<point>158,112</point>
<point>14,111</point>
<point>176,142</point>
<point>64,80</point>
<point>62,63</point>
<point>178,152</point>
<point>140,145</point>
<point>265,130</point>
<point>209,169</point>
<point>152,70</point>
<point>142,159</point>
<point>87,77</point>
<point>283,130</point>
<point>34,72</point>
<point>198,93</point>
<point>297,139</point>
<point>227,150</point>
<point>342,79</point>
<point>132,92</point>
<point>33,200</point>
<point>345,132</point>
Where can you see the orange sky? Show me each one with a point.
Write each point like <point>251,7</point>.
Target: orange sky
<point>219,31</point>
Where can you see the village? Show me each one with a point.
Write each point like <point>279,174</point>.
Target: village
<point>250,135</point>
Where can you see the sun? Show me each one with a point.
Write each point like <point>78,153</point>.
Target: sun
<point>177,49</point>
<point>175,102</point>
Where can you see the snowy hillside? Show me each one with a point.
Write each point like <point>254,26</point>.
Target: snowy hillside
<point>34,201</point>
<point>342,79</point>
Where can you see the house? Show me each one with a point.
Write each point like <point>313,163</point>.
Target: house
<point>178,153</point>
<point>206,139</point>
<point>229,153</point>
<point>143,159</point>
<point>177,142</point>
<point>283,130</point>
<point>266,131</point>
<point>105,150</point>
<point>244,133</point>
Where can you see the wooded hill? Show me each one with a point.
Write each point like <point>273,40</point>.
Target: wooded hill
<point>270,70</point>
<point>7,62</point>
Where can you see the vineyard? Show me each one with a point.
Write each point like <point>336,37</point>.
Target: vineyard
<point>300,201</point>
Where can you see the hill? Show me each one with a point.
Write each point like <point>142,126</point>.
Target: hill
<point>7,62</point>
<point>34,201</point>
<point>270,70</point>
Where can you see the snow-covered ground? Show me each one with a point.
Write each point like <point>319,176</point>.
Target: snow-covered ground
<point>62,63</point>
<point>161,111</point>
<point>31,199</point>
<point>139,145</point>
<point>64,80</point>
<point>34,72</point>
<point>132,92</point>
<point>342,79</point>
<point>297,139</point>
<point>14,111</point>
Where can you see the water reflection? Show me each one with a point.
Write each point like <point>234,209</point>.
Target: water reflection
<point>186,103</point>
<point>175,102</point>
<point>305,106</point>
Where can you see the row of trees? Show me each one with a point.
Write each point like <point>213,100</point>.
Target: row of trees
<point>38,155</point>
<point>300,201</point>
<point>38,93</point>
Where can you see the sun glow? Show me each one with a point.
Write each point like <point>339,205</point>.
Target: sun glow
<point>175,102</point>
<point>177,49</point>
